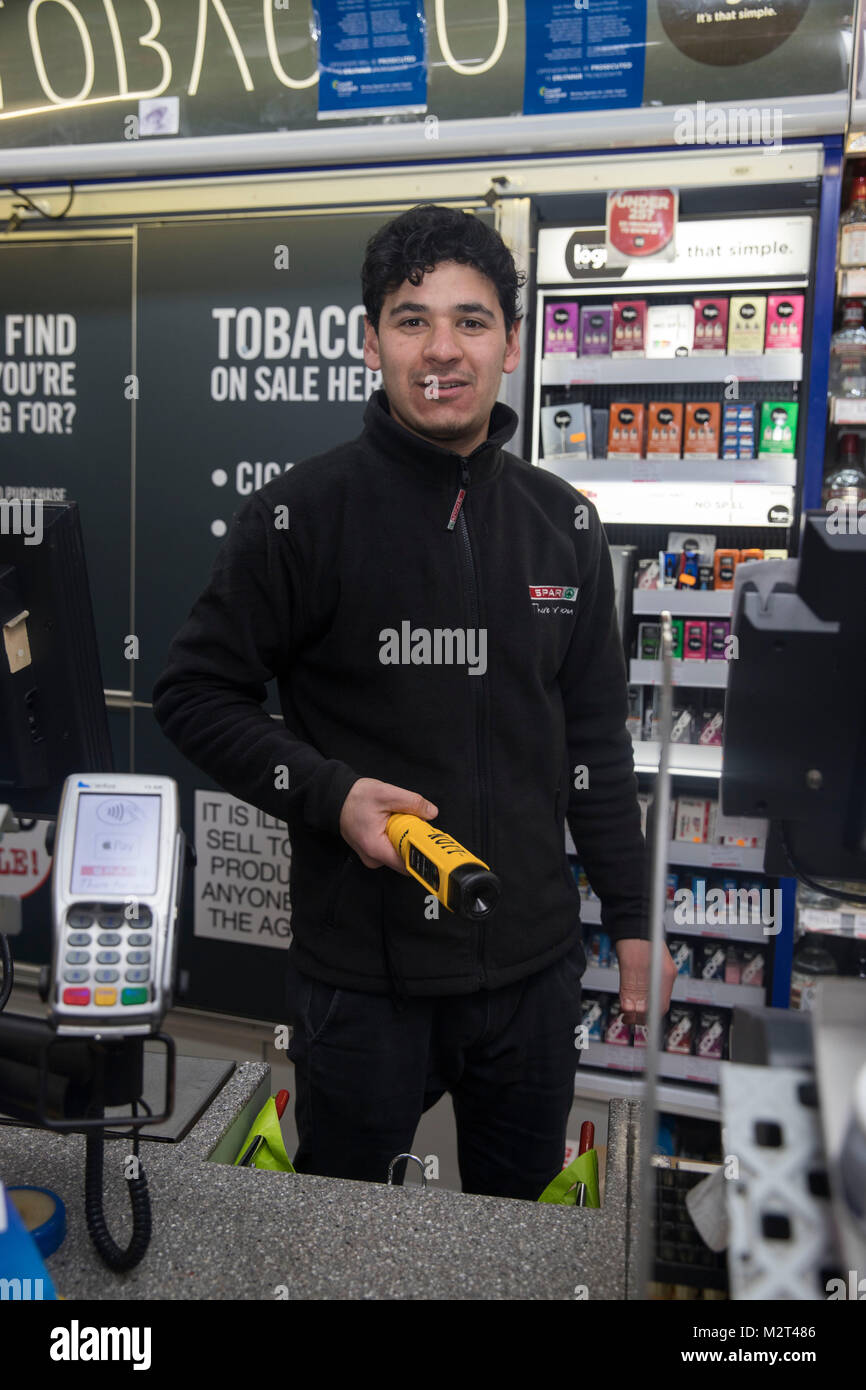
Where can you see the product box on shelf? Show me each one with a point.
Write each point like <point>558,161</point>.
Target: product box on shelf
<point>695,640</point>
<point>695,818</point>
<point>665,428</point>
<point>784,322</point>
<point>711,325</point>
<point>617,1030</point>
<point>564,430</point>
<point>560,330</point>
<point>629,328</point>
<point>626,429</point>
<point>746,323</point>
<point>682,955</point>
<point>778,431</point>
<point>711,1033</point>
<point>718,632</point>
<point>670,330</point>
<point>679,1029</point>
<point>701,437</point>
<point>738,430</point>
<point>595,329</point>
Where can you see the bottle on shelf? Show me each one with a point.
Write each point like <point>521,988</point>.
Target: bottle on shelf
<point>852,234</point>
<point>848,352</point>
<point>845,480</point>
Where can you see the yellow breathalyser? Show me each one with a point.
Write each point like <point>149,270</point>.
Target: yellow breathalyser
<point>462,882</point>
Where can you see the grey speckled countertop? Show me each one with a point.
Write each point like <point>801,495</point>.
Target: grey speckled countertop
<point>243,1233</point>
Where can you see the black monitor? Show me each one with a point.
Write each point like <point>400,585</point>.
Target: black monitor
<point>53,719</point>
<point>795,708</point>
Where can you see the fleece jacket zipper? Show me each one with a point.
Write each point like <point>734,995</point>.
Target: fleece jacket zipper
<point>458,518</point>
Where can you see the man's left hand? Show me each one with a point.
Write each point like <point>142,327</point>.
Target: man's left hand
<point>634,970</point>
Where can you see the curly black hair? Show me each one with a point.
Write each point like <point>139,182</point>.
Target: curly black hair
<point>413,243</point>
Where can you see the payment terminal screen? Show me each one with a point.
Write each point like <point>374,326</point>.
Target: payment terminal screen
<point>116,844</point>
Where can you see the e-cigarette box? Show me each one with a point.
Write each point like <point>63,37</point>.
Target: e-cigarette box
<point>560,330</point>
<point>595,326</point>
<point>711,326</point>
<point>665,428</point>
<point>701,430</point>
<point>629,328</point>
<point>626,429</point>
<point>695,640</point>
<point>784,322</point>
<point>746,322</point>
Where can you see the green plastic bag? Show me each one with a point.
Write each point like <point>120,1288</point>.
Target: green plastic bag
<point>581,1169</point>
<point>272,1153</point>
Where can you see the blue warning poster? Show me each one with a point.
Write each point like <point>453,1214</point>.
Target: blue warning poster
<point>372,57</point>
<point>584,56</point>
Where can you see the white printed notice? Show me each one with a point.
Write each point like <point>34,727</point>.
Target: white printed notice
<point>243,857</point>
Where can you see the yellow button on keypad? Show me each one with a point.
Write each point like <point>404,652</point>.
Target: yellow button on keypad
<point>105,996</point>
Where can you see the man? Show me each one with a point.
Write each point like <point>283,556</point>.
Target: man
<point>439,617</point>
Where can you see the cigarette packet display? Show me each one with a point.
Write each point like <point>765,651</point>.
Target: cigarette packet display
<point>595,326</point>
<point>711,959</point>
<point>626,429</point>
<point>563,430</point>
<point>647,574</point>
<point>560,330</point>
<point>692,819</point>
<point>670,330</point>
<point>711,1033</point>
<point>598,949</point>
<point>778,430</point>
<point>617,1030</point>
<point>732,966</point>
<point>682,955</point>
<point>711,729</point>
<point>784,323</point>
<point>665,428</point>
<point>593,1015</point>
<point>746,323</point>
<point>751,966</point>
<point>629,328</point>
<point>701,434</point>
<point>682,727</point>
<point>711,326</point>
<point>679,1029</point>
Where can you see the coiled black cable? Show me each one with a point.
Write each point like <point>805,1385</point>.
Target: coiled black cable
<point>139,1197</point>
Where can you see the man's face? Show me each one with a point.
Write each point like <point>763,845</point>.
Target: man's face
<point>448,329</point>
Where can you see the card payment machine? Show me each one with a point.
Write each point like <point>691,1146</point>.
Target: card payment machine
<point>119,856</point>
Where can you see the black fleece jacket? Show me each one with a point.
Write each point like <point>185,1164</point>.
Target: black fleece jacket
<point>478,664</point>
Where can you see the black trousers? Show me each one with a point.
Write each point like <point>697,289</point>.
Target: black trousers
<point>366,1069</point>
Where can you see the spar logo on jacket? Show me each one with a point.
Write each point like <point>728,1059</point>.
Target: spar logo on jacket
<point>553,598</point>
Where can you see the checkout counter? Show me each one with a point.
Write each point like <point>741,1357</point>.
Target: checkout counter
<point>221,1232</point>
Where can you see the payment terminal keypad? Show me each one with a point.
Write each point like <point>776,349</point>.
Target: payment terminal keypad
<point>104,948</point>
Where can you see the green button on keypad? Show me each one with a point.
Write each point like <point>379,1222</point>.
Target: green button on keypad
<point>133,996</point>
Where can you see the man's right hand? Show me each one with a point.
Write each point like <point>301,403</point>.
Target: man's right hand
<point>365,814</point>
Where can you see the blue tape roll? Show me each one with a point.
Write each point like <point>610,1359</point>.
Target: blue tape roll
<point>50,1235</point>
